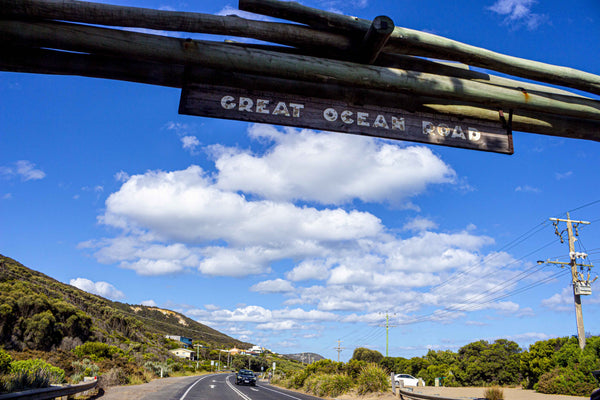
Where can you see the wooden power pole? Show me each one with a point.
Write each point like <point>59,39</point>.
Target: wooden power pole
<point>339,349</point>
<point>581,284</point>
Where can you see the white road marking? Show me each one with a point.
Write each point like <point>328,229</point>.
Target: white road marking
<point>190,388</point>
<point>285,394</point>
<point>236,390</point>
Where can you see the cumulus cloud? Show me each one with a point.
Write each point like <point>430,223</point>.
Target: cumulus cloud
<point>419,224</point>
<point>149,303</point>
<point>273,286</point>
<point>190,143</point>
<point>519,12</point>
<point>103,289</point>
<point>561,302</point>
<point>283,218</point>
<point>329,168</point>
<point>23,169</point>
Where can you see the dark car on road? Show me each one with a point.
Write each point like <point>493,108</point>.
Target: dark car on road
<point>245,377</point>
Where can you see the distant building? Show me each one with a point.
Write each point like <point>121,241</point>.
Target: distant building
<point>236,351</point>
<point>257,350</point>
<point>184,353</point>
<point>187,342</point>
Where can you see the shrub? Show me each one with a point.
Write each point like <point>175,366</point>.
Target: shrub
<point>96,351</point>
<point>328,385</point>
<point>158,367</point>
<point>39,368</point>
<point>493,393</point>
<point>372,379</point>
<point>83,368</point>
<point>5,360</point>
<point>565,381</point>
<point>17,381</point>
<point>114,377</point>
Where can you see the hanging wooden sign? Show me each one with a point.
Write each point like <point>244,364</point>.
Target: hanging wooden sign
<point>266,106</point>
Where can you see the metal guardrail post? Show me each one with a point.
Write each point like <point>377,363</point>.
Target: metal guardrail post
<point>51,392</point>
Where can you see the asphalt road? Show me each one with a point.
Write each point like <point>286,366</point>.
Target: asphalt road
<point>206,387</point>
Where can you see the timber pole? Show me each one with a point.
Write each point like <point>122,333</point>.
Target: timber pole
<point>574,276</point>
<point>288,66</point>
<point>408,41</point>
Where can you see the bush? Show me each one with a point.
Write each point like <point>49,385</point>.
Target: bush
<point>565,381</point>
<point>372,379</point>
<point>83,368</point>
<point>5,360</point>
<point>493,394</point>
<point>114,377</point>
<point>328,385</point>
<point>96,351</point>
<point>39,367</point>
<point>30,374</point>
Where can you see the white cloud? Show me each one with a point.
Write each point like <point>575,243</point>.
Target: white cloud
<point>149,303</point>
<point>189,220</point>
<point>527,189</point>
<point>309,269</point>
<point>103,289</point>
<point>24,169</point>
<point>518,12</point>
<point>228,10</point>
<point>279,326</point>
<point>330,168</point>
<point>273,286</point>
<point>121,176</point>
<point>419,224</point>
<point>190,143</point>
<point>559,176</point>
<point>561,302</point>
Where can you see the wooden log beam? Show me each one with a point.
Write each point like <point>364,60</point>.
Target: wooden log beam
<point>136,17</point>
<point>44,61</point>
<point>316,43</point>
<point>269,63</point>
<point>376,37</point>
<point>409,41</point>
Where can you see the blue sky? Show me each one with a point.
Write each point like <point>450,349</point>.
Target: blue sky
<point>294,239</point>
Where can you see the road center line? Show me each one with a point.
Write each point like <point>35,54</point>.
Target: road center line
<point>236,390</point>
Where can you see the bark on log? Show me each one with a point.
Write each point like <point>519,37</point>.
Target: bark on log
<point>136,17</point>
<point>268,63</point>
<point>409,41</point>
<point>44,61</point>
<point>316,43</point>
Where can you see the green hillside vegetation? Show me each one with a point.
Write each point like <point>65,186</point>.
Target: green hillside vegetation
<point>41,318</point>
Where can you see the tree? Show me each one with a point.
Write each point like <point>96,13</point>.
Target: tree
<point>368,355</point>
<point>482,363</point>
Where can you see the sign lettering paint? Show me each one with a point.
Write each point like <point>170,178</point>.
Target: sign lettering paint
<point>221,101</point>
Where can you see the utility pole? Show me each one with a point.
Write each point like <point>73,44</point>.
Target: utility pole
<point>387,326</point>
<point>581,285</point>
<point>339,349</point>
<point>197,346</point>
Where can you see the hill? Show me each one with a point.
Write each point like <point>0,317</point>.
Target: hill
<point>41,313</point>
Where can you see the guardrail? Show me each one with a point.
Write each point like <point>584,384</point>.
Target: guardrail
<point>51,392</point>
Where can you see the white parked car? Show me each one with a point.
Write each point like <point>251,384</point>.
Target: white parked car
<point>407,380</point>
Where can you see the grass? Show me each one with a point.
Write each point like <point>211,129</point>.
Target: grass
<point>493,393</point>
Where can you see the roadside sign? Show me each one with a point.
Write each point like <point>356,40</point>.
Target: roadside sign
<point>267,106</point>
